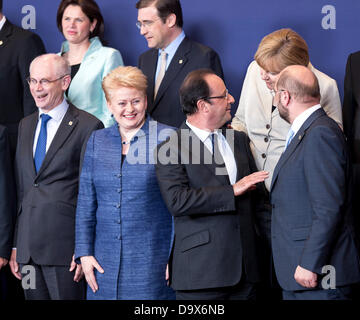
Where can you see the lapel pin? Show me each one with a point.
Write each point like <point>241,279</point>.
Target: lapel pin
<point>181,61</point>
<point>1,42</point>
<point>300,137</point>
<point>70,123</point>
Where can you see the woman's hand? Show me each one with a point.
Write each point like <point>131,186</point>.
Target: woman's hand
<point>88,264</point>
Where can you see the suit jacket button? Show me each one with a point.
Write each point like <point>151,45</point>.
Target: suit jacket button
<point>267,126</point>
<point>266,139</point>
<point>263,155</point>
<point>36,185</point>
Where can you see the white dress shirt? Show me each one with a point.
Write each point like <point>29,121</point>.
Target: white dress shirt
<point>170,50</point>
<point>301,118</point>
<point>224,148</point>
<point>2,22</point>
<point>57,114</point>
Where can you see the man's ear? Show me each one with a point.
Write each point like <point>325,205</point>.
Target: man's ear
<point>202,106</point>
<point>285,98</point>
<point>66,82</point>
<point>171,20</point>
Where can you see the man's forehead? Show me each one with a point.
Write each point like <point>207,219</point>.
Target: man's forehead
<point>147,13</point>
<point>215,83</point>
<point>42,69</point>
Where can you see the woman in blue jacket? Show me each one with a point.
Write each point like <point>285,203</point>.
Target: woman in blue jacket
<point>123,228</point>
<point>82,25</point>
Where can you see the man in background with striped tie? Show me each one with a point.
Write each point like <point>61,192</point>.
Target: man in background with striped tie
<point>171,57</point>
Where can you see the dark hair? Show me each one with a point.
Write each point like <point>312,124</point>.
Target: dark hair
<point>194,88</point>
<point>164,8</point>
<point>1,5</point>
<point>91,10</point>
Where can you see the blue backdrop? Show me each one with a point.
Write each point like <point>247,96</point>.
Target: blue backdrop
<point>233,28</point>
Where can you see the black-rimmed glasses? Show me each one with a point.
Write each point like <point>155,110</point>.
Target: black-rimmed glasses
<point>225,96</point>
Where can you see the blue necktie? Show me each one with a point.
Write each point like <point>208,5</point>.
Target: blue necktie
<point>290,136</point>
<point>40,150</point>
<point>213,143</point>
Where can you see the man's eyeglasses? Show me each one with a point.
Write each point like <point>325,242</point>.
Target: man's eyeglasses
<point>44,82</point>
<point>217,97</point>
<point>146,23</point>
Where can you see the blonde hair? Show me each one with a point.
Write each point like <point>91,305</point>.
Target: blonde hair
<point>129,77</point>
<point>280,49</point>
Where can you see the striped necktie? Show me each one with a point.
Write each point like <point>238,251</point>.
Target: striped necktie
<point>161,74</point>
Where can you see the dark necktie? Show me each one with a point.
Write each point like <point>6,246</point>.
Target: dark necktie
<point>215,150</point>
<point>40,150</point>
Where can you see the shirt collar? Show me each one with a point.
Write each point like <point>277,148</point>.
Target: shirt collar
<point>300,119</point>
<point>201,134</point>
<point>2,22</point>
<point>173,46</point>
<point>58,112</point>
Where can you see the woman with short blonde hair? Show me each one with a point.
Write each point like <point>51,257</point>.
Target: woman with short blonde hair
<point>130,77</point>
<point>123,228</point>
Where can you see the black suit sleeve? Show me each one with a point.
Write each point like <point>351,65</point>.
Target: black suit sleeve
<point>18,184</point>
<point>349,104</point>
<point>32,47</point>
<point>7,196</point>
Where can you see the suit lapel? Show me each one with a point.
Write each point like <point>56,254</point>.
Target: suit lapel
<point>29,136</point>
<point>294,143</point>
<point>67,125</point>
<point>149,69</point>
<point>5,34</point>
<point>177,63</point>
<point>201,154</point>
